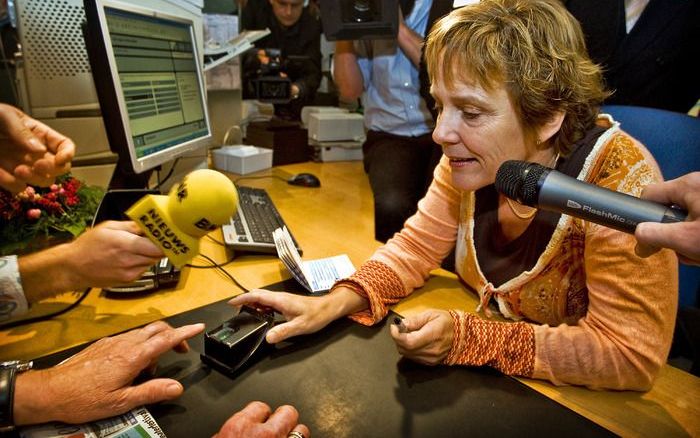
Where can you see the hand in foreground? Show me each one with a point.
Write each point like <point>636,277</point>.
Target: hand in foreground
<point>97,382</point>
<point>428,338</point>
<point>112,253</point>
<point>304,314</point>
<point>255,421</point>
<point>30,151</point>
<point>682,237</point>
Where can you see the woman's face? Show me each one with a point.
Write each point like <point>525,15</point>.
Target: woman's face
<point>478,130</point>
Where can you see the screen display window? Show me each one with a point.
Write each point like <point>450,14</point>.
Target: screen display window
<point>158,74</point>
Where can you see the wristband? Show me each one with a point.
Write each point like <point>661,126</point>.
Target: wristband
<point>7,392</point>
<point>8,375</point>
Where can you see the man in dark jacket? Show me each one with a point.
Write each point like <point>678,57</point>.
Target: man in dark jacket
<point>648,49</point>
<point>296,33</point>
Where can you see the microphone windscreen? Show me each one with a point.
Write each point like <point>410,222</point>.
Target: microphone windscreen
<point>509,179</point>
<point>530,190</point>
<point>518,180</point>
<point>203,201</point>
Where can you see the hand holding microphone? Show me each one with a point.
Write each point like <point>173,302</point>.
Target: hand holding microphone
<point>203,201</point>
<point>684,238</point>
<point>537,186</point>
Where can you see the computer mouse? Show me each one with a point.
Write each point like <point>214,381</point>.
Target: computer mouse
<point>304,180</point>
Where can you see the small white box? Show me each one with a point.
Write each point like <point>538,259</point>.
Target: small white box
<point>336,126</point>
<point>242,159</point>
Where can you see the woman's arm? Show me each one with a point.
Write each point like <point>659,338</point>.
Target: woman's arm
<point>391,273</point>
<point>403,264</point>
<point>624,339</point>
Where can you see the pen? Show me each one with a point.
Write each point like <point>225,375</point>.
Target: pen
<point>399,323</point>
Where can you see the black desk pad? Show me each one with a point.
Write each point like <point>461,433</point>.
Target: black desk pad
<point>348,380</point>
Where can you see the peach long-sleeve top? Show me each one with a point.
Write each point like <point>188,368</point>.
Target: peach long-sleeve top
<point>589,312</point>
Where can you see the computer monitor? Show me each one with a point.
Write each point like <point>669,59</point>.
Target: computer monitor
<point>149,82</point>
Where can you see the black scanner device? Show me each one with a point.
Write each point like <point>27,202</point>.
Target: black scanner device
<point>240,340</point>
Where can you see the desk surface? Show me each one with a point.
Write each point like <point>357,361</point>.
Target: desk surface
<point>349,381</point>
<point>337,218</point>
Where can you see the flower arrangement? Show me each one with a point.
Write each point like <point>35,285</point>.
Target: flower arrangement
<point>40,214</point>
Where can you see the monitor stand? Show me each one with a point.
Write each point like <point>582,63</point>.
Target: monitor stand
<point>124,178</point>
<point>125,188</point>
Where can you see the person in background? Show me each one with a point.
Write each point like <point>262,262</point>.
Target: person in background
<point>399,154</point>
<point>296,34</point>
<point>682,237</point>
<point>648,49</point>
<point>512,81</point>
<point>111,253</point>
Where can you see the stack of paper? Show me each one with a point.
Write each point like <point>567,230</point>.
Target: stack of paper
<point>216,54</point>
<point>317,276</point>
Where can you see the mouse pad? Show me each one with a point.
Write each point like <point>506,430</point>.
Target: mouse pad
<point>349,380</point>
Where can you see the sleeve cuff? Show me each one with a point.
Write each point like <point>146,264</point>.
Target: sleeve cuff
<point>12,300</point>
<point>379,285</point>
<point>508,347</point>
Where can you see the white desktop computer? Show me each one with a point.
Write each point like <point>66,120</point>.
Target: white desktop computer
<point>55,79</point>
<point>150,85</point>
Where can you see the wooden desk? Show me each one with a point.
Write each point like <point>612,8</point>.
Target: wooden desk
<point>338,219</point>
<point>334,219</point>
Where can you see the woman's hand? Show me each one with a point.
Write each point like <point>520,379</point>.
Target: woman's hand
<point>428,339</point>
<point>304,314</point>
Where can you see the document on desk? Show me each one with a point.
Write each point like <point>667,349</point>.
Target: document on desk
<point>137,423</point>
<point>317,276</point>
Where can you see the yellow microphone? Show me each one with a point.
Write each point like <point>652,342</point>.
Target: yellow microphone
<point>203,201</point>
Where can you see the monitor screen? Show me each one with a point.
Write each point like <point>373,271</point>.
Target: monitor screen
<point>149,81</point>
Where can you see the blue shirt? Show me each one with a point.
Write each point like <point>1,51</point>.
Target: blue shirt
<point>392,102</point>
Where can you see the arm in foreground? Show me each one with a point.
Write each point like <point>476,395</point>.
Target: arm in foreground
<point>111,253</point>
<point>97,382</point>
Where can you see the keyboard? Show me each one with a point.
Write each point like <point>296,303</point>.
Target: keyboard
<point>250,230</point>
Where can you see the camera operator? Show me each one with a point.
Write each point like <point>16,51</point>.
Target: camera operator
<point>296,33</point>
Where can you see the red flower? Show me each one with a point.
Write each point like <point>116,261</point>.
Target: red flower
<point>33,214</point>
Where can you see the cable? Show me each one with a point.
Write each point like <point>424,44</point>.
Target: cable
<point>170,173</point>
<point>218,242</point>
<point>259,177</point>
<point>208,266</point>
<point>224,271</point>
<point>14,324</point>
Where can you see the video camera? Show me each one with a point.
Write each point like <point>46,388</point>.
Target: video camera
<point>266,76</point>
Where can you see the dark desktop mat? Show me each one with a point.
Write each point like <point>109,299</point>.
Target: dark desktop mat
<point>349,380</point>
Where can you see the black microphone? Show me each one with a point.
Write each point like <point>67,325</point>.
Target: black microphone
<point>538,186</point>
